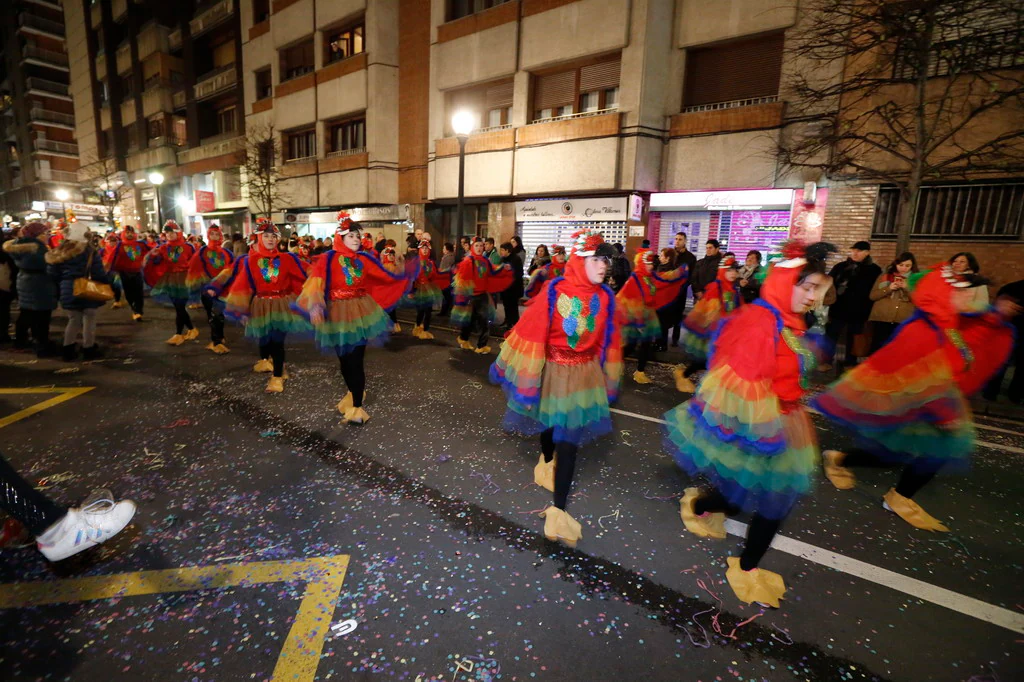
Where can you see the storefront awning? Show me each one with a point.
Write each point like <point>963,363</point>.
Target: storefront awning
<point>226,211</point>
<point>724,200</point>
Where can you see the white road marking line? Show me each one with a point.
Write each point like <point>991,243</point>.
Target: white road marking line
<point>981,443</point>
<point>968,606</point>
<point>940,596</point>
<point>986,427</point>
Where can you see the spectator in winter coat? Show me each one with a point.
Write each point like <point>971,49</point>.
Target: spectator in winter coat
<point>853,280</point>
<point>621,268</point>
<point>891,299</point>
<point>73,259</point>
<point>673,313</point>
<point>510,297</point>
<point>705,271</point>
<point>966,263</point>
<point>447,263</point>
<point>748,285</point>
<point>8,272</point>
<point>37,296</point>
<point>1015,292</point>
<point>541,257</point>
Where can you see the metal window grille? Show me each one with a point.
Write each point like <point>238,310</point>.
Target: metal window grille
<point>978,211</point>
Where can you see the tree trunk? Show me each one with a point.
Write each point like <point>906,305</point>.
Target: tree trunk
<point>910,194</point>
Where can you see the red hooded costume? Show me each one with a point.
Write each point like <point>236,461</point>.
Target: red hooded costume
<point>644,294</point>
<point>209,261</point>
<point>165,268</point>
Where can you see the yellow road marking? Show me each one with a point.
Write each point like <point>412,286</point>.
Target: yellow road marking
<point>300,655</point>
<point>65,395</point>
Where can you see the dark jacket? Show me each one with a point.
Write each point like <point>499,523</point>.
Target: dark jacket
<point>536,262</point>
<point>516,290</point>
<point>620,271</point>
<point>853,282</point>
<point>1015,290</point>
<point>67,263</point>
<point>36,290</point>
<point>704,272</point>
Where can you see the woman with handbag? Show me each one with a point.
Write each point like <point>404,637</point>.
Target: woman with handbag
<point>84,286</point>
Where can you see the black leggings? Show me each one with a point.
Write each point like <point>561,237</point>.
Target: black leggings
<point>695,367</point>
<point>759,534</point>
<point>38,323</point>
<point>915,475</point>
<point>423,318</point>
<point>26,504</point>
<point>216,319</point>
<point>643,354</point>
<point>133,291</point>
<point>275,351</point>
<point>479,319</point>
<point>182,320</point>
<point>565,465</point>
<point>354,374</point>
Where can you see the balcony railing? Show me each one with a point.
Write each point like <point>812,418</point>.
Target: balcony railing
<point>731,104</point>
<point>174,39</point>
<point>53,28</point>
<point>50,4</point>
<point>178,99</point>
<point>346,152</point>
<point>213,82</point>
<point>44,85</point>
<point>218,145</point>
<point>569,117</point>
<point>124,58</point>
<point>46,56</point>
<point>211,16</point>
<point>50,175</point>
<point>157,97</point>
<point>58,147</point>
<point>46,116</point>
<point>153,38</point>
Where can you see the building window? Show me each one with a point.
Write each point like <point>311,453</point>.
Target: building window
<point>156,127</point>
<point>585,90</point>
<point>348,136</point>
<point>267,156</point>
<point>179,131</point>
<point>300,144</point>
<point>127,83</point>
<point>107,143</point>
<point>176,77</point>
<point>980,211</point>
<point>344,43</point>
<point>260,10</point>
<point>742,72</point>
<point>463,8</point>
<point>491,103</point>
<point>297,60</point>
<point>264,86</point>
<point>226,120</point>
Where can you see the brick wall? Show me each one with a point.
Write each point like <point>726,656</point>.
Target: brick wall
<point>413,100</point>
<point>848,218</point>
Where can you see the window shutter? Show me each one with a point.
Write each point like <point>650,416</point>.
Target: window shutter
<point>740,70</point>
<point>499,95</point>
<point>600,76</point>
<point>555,90</point>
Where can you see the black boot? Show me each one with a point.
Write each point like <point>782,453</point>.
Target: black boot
<point>93,352</point>
<point>69,353</point>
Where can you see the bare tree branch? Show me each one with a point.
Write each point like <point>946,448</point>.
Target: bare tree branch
<point>262,156</point>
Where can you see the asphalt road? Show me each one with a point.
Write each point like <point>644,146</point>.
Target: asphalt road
<point>448,569</point>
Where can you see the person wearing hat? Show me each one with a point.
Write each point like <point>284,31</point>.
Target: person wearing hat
<point>746,430</point>
<point>907,404</point>
<point>853,280</point>
<point>259,293</point>
<point>476,280</point>
<point>645,292</point>
<point>346,298</point>
<point>560,369</point>
<point>166,270</point>
<point>552,268</point>
<point>721,297</point>
<point>208,263</point>
<point>124,257</point>
<point>37,295</point>
<point>74,259</point>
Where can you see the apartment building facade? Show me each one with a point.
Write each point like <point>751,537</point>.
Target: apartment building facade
<point>157,93</point>
<point>38,157</point>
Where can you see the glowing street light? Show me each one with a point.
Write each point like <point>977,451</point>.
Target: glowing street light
<point>62,196</point>
<point>157,179</point>
<point>463,123</point>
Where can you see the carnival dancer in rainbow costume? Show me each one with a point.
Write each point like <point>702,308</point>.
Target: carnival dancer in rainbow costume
<point>560,369</point>
<point>258,293</point>
<point>476,280</point>
<point>745,430</point>
<point>426,291</point>
<point>208,263</point>
<point>907,403</point>
<point>641,297</point>
<point>720,298</point>
<point>347,297</point>
<point>165,268</point>
<point>556,268</point>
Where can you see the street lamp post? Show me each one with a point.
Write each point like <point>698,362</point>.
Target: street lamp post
<point>157,179</point>
<point>462,124</point>
<point>62,196</point>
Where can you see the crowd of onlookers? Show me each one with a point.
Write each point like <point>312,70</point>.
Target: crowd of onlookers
<point>864,305</point>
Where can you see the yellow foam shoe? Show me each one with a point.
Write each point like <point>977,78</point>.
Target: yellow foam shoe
<point>417,330</point>
<point>117,304</point>
<point>397,329</point>
<point>756,585</point>
<point>560,527</point>
<point>841,477</point>
<point>426,336</point>
<point>264,365</point>
<point>911,512</point>
<point>137,317</point>
<point>483,351</point>
<point>176,340</point>
<point>275,385</point>
<point>683,383</point>
<point>346,403</point>
<point>192,334</point>
<point>356,415</point>
<point>641,378</point>
<point>544,473</point>
<point>709,525</point>
<point>221,349</point>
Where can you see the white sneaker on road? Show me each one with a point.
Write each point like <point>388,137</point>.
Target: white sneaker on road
<point>87,527</point>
